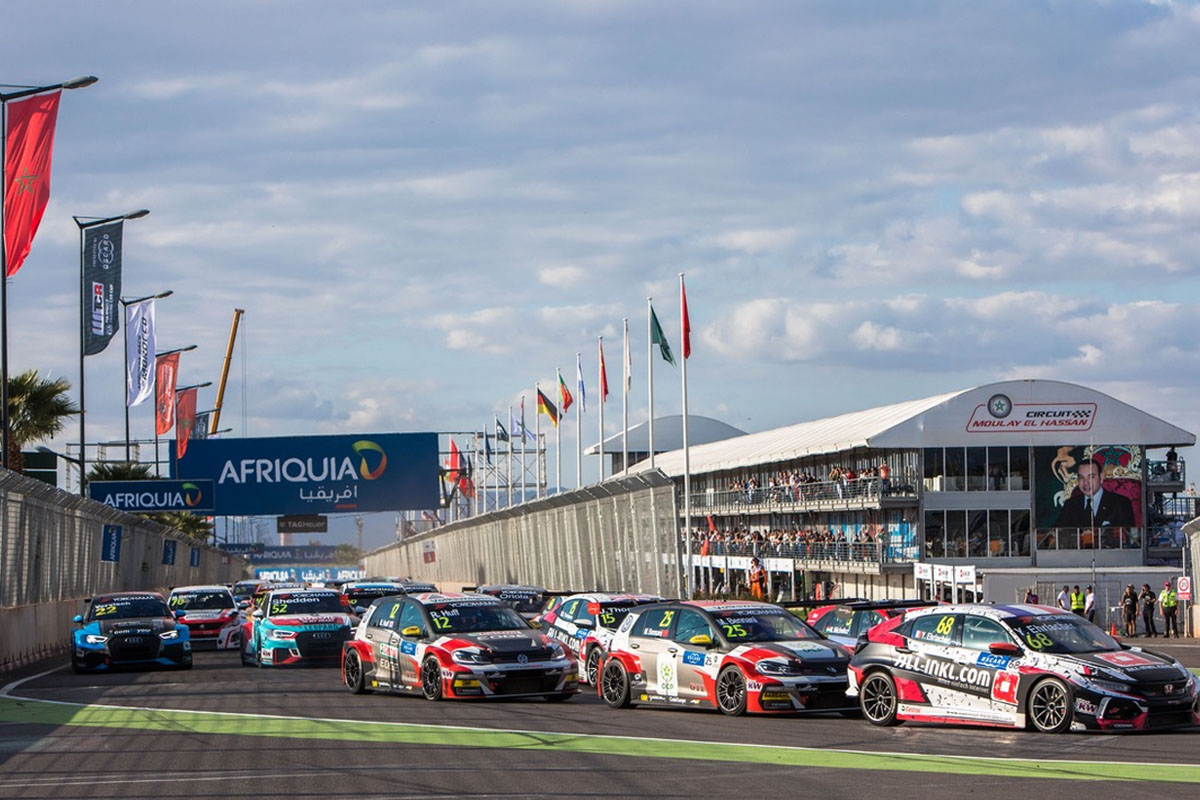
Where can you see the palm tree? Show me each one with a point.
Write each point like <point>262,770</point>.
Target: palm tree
<point>119,471</point>
<point>37,410</point>
<point>191,525</point>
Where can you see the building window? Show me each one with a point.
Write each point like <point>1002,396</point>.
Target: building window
<point>977,469</point>
<point>1018,469</point>
<point>977,534</point>
<point>998,533</point>
<point>956,534</point>
<point>1020,532</point>
<point>934,469</point>
<point>997,469</point>
<point>956,469</point>
<point>935,524</point>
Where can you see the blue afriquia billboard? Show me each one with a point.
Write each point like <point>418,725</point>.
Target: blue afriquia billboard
<point>316,474</point>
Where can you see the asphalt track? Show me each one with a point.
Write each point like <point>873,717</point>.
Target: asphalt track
<point>221,730</point>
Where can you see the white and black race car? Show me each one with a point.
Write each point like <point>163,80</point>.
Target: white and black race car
<point>1016,666</point>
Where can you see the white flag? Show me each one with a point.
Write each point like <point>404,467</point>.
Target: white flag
<point>139,352</point>
<point>628,362</point>
<point>579,382</point>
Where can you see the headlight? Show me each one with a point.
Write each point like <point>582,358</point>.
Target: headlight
<point>172,634</point>
<point>1110,686</point>
<point>770,667</point>
<point>470,657</point>
<point>556,649</point>
<point>281,635</point>
<point>94,638</point>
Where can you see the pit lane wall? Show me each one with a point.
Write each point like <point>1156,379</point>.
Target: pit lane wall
<point>619,533</point>
<point>50,543</point>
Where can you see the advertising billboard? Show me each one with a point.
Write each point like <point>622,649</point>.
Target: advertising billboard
<point>154,495</point>
<point>316,474</point>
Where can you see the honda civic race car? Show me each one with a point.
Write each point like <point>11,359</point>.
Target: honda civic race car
<point>455,646</point>
<point>1016,666</point>
<point>129,629</point>
<point>210,614</point>
<point>733,655</point>
<point>585,624</point>
<point>844,621</point>
<point>525,600</point>
<point>294,626</point>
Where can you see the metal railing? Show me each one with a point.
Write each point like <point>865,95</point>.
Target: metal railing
<point>852,552</point>
<point>1167,471</point>
<point>818,493</point>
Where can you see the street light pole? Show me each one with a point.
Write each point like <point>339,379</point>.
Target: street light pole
<point>125,304</point>
<point>5,97</point>
<point>84,223</point>
<point>157,356</point>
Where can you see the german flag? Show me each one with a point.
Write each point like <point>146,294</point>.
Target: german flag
<point>547,408</point>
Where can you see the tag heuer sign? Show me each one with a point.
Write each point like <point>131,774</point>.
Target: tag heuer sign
<point>302,523</point>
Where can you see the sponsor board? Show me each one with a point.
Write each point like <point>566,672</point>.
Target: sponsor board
<point>1001,415</point>
<point>154,495</point>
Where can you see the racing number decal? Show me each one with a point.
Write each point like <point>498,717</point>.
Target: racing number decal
<point>395,608</point>
<point>665,622</point>
<point>1038,641</point>
<point>734,631</point>
<point>608,619</point>
<point>945,626</point>
<point>101,611</point>
<point>178,601</point>
<point>440,622</point>
<point>278,608</point>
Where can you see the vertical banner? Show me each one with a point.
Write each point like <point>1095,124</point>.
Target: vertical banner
<point>110,544</point>
<point>139,352</point>
<point>194,558</point>
<point>29,145</point>
<point>169,548</point>
<point>166,371</point>
<point>185,420</point>
<point>101,285</point>
<point>200,429</point>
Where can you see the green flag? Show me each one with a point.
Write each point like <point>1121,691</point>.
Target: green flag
<point>659,338</point>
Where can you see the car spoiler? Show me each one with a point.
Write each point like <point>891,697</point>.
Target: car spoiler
<point>817,603</point>
<point>866,605</point>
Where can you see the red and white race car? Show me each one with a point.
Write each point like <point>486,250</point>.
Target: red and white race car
<point>210,613</point>
<point>455,646</point>
<point>585,624</point>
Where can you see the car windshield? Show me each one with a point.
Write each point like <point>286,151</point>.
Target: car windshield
<point>201,601</point>
<point>363,595</point>
<point>474,618</point>
<point>1061,633</point>
<point>284,603</point>
<point>245,588</point>
<point>762,625</point>
<point>523,602</point>
<point>128,607</point>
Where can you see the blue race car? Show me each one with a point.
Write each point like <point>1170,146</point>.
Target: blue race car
<point>134,629</point>
<point>294,626</point>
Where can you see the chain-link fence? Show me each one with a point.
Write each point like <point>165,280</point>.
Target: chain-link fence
<point>621,535</point>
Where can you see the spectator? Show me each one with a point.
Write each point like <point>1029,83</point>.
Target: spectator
<point>1148,601</point>
<point>1064,599</point>
<point>758,580</point>
<point>1129,608</point>
<point>1089,606</point>
<point>1031,597</point>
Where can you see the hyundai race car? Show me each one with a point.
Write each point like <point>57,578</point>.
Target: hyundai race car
<point>294,626</point>
<point>210,614</point>
<point>133,629</point>
<point>455,646</point>
<point>1016,666</point>
<point>585,624</point>
<point>733,655</point>
<point>525,600</point>
<point>844,621</point>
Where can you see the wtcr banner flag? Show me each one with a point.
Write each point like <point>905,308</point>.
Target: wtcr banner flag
<point>200,429</point>
<point>29,145</point>
<point>166,373</point>
<point>185,420</point>
<point>101,285</point>
<point>139,352</point>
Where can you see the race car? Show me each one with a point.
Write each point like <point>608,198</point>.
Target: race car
<point>1016,666</point>
<point>733,655</point>
<point>845,620</point>
<point>360,594</point>
<point>243,591</point>
<point>210,614</point>
<point>415,587</point>
<point>525,600</point>
<point>134,629</point>
<point>294,626</point>
<point>455,646</point>
<point>585,624</point>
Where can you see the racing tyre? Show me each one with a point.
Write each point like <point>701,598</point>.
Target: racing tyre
<point>731,692</point>
<point>77,667</point>
<point>878,699</point>
<point>185,665</point>
<point>258,662</point>
<point>591,667</point>
<point>614,685</point>
<point>352,673</point>
<point>247,661</point>
<point>1049,706</point>
<point>431,679</point>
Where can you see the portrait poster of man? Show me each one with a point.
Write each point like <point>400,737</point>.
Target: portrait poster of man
<point>1088,486</point>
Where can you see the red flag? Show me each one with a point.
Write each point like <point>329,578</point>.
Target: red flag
<point>185,420</point>
<point>166,370</point>
<point>603,376</point>
<point>452,473</point>
<point>27,172</point>
<point>564,395</point>
<point>687,324</point>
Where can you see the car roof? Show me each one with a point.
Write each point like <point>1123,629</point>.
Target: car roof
<point>615,597</point>
<point>116,595</point>
<point>510,587</point>
<point>998,612</point>
<point>729,605</point>
<point>371,585</point>
<point>201,588</point>
<point>882,605</point>
<point>455,598</point>
<point>304,590</point>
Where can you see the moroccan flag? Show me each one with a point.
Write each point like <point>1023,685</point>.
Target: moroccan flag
<point>465,484</point>
<point>453,466</point>
<point>687,324</point>
<point>564,395</point>
<point>547,408</point>
<point>185,420</point>
<point>30,143</point>
<point>166,373</point>
<point>657,337</point>
<point>603,376</point>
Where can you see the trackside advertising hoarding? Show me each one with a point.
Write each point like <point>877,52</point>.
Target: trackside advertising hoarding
<point>146,496</point>
<point>316,474</point>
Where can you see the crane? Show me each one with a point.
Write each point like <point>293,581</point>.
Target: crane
<point>216,415</point>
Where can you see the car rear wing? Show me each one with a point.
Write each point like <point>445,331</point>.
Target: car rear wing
<point>868,605</point>
<point>818,603</point>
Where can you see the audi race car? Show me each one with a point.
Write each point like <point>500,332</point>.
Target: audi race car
<point>210,614</point>
<point>525,600</point>
<point>586,623</point>
<point>294,626</point>
<point>846,620</point>
<point>455,646</point>
<point>737,656</point>
<point>360,594</point>
<point>1016,666</point>
<point>133,629</point>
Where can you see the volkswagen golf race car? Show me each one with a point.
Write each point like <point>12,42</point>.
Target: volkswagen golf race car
<point>733,655</point>
<point>133,629</point>
<point>845,620</point>
<point>294,626</point>
<point>455,646</point>
<point>210,614</point>
<point>586,623</point>
<point>1016,666</point>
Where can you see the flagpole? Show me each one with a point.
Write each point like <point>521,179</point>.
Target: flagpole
<point>626,380</point>
<point>685,347</point>
<point>511,433</point>
<point>650,371</point>
<point>524,452</point>
<point>579,423</point>
<point>537,444</point>
<point>558,436</point>
<point>601,379</point>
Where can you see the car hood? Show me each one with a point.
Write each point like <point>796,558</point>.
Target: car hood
<point>505,642</point>
<point>300,620</point>
<point>207,613</point>
<point>807,650</point>
<point>1139,665</point>
<point>132,627</point>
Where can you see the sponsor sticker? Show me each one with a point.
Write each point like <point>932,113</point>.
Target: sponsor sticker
<point>993,661</point>
<point>694,659</point>
<point>408,648</point>
<point>1004,688</point>
<point>1126,660</point>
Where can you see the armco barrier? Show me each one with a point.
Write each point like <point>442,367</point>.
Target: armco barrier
<point>621,535</point>
<point>50,561</point>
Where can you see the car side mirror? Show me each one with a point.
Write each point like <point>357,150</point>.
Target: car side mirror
<point>535,623</point>
<point>243,605</point>
<point>179,614</point>
<point>77,619</point>
<point>359,610</point>
<point>258,613</point>
<point>701,640</point>
<point>412,630</point>
<point>1005,649</point>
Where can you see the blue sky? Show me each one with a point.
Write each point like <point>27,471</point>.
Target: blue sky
<point>424,208</point>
